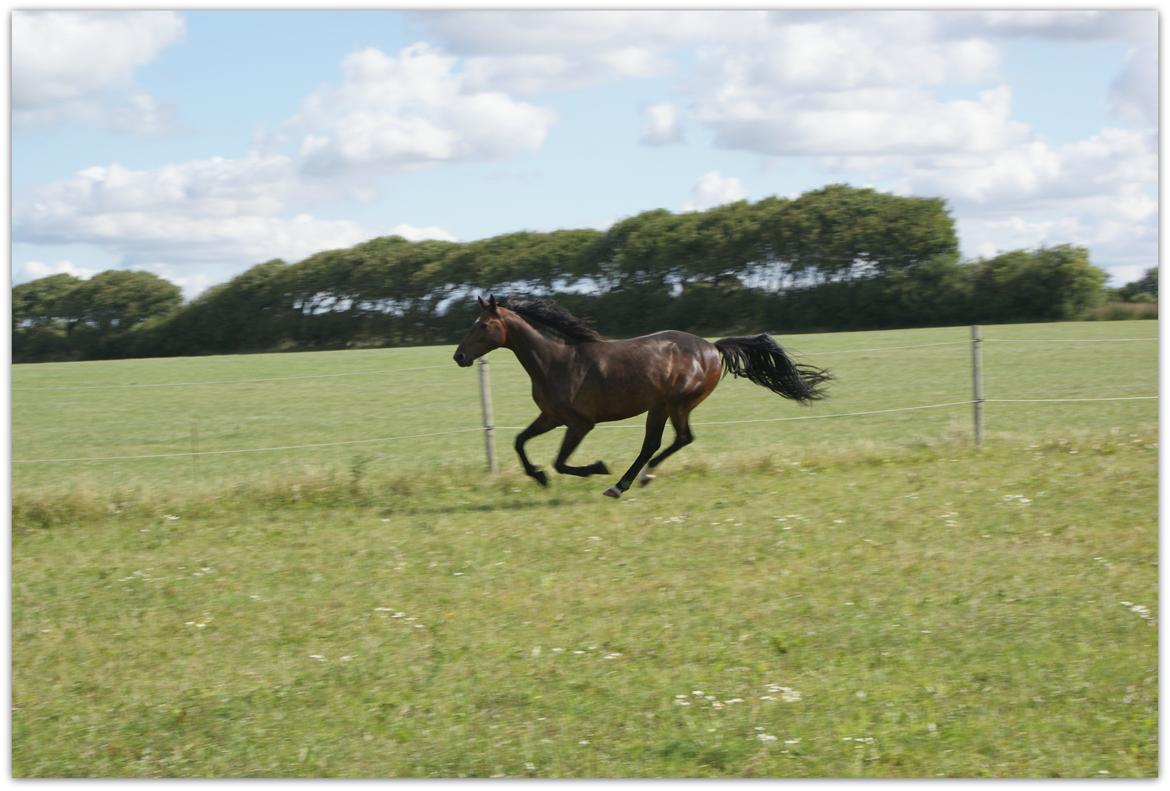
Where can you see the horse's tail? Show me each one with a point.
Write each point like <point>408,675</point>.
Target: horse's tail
<point>760,359</point>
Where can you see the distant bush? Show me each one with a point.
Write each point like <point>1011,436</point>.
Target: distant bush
<point>1124,311</point>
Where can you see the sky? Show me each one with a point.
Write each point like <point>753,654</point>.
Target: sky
<point>195,144</point>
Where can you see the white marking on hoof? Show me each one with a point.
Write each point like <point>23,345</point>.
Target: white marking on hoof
<point>645,478</point>
<point>613,492</point>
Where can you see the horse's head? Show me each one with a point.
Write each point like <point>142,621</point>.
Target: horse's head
<point>489,332</point>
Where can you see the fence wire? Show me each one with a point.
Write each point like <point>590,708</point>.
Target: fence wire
<point>379,440</point>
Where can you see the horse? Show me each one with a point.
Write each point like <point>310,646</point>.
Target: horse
<point>580,379</point>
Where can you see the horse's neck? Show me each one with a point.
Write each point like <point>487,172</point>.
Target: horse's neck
<point>535,351</point>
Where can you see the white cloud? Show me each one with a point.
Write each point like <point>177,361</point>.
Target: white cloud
<point>1133,94</point>
<point>1100,192</point>
<point>1108,164</point>
<point>73,64</point>
<point>206,210</point>
<point>412,109</point>
<point>538,51</point>
<point>850,83</point>
<point>872,121</point>
<point>661,125</point>
<point>413,233</point>
<point>32,270</point>
<point>714,189</point>
<point>1068,25</point>
<point>188,219</point>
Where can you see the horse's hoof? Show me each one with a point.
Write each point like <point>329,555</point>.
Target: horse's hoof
<point>599,468</point>
<point>646,478</point>
<point>613,492</point>
<point>540,477</point>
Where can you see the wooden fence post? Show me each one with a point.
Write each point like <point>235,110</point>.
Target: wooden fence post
<point>977,380</point>
<point>485,397</point>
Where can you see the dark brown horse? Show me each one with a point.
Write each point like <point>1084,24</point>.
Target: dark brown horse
<point>580,380</point>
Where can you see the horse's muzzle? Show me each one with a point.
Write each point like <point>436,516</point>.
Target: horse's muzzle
<point>462,359</point>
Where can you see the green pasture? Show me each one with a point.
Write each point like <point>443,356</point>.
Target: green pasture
<point>244,402</point>
<point>855,596</point>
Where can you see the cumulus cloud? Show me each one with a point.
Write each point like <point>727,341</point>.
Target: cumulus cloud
<point>77,65</point>
<point>541,51</point>
<point>1100,192</point>
<point>397,112</point>
<point>32,270</point>
<point>1133,94</point>
<point>714,189</point>
<point>414,233</point>
<point>1107,163</point>
<point>875,121</point>
<point>196,211</point>
<point>188,219</point>
<point>661,124</point>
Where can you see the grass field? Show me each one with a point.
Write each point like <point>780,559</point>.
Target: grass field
<point>854,596</point>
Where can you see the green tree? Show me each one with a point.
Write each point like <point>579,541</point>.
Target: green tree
<point>118,300</point>
<point>1049,284</point>
<point>1147,284</point>
<point>40,320</point>
<point>42,302</point>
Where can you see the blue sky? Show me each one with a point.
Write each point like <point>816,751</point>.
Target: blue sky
<point>195,144</point>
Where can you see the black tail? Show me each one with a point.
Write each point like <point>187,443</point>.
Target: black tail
<point>760,359</point>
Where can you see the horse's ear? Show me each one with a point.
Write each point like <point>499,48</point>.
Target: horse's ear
<point>492,302</point>
<point>483,305</point>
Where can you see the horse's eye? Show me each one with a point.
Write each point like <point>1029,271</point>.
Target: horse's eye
<point>482,325</point>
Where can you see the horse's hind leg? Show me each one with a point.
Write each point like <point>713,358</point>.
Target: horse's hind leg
<point>542,425</point>
<point>680,418</point>
<point>573,436</point>
<point>655,422</point>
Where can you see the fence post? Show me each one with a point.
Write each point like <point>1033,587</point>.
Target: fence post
<point>977,380</point>
<point>485,397</point>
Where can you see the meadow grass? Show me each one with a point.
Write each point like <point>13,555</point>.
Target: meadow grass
<point>864,596</point>
<point>159,406</point>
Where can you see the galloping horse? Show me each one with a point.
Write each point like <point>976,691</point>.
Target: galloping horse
<point>580,380</point>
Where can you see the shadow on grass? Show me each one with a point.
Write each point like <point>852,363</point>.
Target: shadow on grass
<point>477,507</point>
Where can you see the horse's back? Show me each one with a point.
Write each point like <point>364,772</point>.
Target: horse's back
<point>633,375</point>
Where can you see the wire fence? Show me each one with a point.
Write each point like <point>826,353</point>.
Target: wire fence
<point>488,425</point>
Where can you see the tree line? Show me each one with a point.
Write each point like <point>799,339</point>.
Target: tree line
<point>836,258</point>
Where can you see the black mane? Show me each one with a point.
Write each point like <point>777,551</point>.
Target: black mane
<point>545,314</point>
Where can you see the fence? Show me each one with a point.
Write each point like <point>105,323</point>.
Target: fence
<point>488,427</point>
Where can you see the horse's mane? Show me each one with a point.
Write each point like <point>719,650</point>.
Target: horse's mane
<point>547,315</point>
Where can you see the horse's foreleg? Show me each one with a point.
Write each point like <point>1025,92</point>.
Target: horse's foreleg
<point>573,436</point>
<point>542,425</point>
<point>655,422</point>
